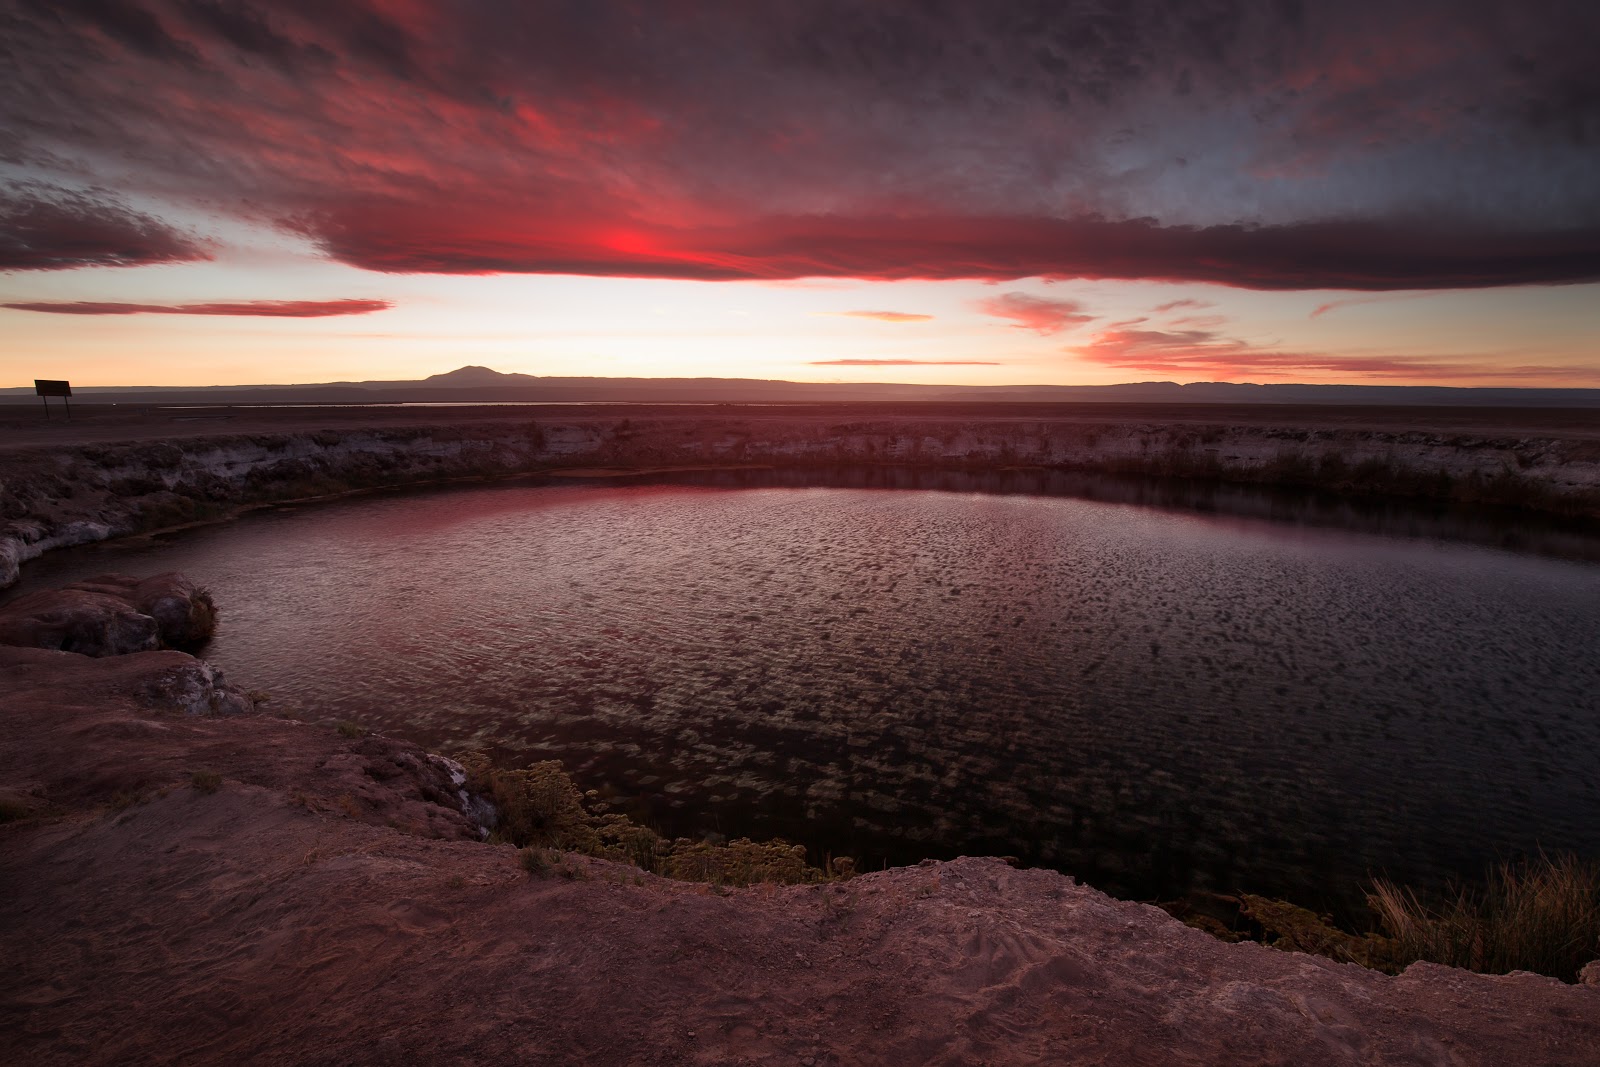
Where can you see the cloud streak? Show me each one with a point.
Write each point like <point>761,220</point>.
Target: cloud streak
<point>1039,314</point>
<point>1387,298</point>
<point>882,316</point>
<point>277,309</point>
<point>1212,356</point>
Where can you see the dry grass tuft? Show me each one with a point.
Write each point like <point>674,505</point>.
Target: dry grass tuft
<point>536,861</point>
<point>1540,915</point>
<point>202,615</point>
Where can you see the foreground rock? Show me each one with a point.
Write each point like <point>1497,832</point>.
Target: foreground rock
<point>111,615</point>
<point>201,889</point>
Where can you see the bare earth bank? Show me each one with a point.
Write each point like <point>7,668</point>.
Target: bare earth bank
<point>329,904</point>
<point>113,472</point>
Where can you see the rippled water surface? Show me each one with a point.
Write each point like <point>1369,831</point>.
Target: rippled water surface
<point>1156,700</point>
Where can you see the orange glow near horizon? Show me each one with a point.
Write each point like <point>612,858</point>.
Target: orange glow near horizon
<point>971,333</point>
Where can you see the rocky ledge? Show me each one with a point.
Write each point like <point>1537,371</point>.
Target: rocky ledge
<point>75,493</point>
<point>198,881</point>
<point>111,615</point>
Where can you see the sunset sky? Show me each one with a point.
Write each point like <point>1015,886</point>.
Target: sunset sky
<point>199,192</point>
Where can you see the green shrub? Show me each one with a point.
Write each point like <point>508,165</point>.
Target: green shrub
<point>205,781</point>
<point>352,730</point>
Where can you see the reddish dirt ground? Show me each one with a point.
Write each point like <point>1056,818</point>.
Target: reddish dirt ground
<point>327,904</point>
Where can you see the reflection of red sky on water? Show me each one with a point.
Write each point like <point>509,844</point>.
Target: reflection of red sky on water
<point>633,191</point>
<point>508,500</point>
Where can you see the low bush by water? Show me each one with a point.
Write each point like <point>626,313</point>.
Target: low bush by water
<point>541,808</point>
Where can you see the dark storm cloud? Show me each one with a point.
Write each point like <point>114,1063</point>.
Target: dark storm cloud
<point>1362,256</point>
<point>126,23</point>
<point>44,227</point>
<point>1359,145</point>
<point>248,32</point>
<point>277,309</point>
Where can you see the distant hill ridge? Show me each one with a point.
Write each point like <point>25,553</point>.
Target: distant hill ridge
<point>475,375</point>
<point>482,384</point>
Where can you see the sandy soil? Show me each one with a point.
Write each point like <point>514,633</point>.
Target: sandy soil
<point>328,904</point>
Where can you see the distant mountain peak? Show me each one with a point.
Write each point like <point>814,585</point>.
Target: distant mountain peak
<point>473,375</point>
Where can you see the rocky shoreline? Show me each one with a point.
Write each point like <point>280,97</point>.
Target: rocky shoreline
<point>191,878</point>
<point>67,493</point>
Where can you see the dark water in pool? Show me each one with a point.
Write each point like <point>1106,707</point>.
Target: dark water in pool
<point>1153,699</point>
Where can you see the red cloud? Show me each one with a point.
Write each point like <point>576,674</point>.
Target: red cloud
<point>884,316</point>
<point>1036,313</point>
<point>1186,353</point>
<point>43,227</point>
<point>1386,298</point>
<point>1175,305</point>
<point>474,239</point>
<point>904,363</point>
<point>282,309</point>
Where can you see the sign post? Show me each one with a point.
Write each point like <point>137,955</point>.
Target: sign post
<point>47,389</point>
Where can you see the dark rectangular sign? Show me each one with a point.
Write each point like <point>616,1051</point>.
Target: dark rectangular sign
<point>44,388</point>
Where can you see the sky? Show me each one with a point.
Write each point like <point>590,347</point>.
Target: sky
<point>1031,192</point>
